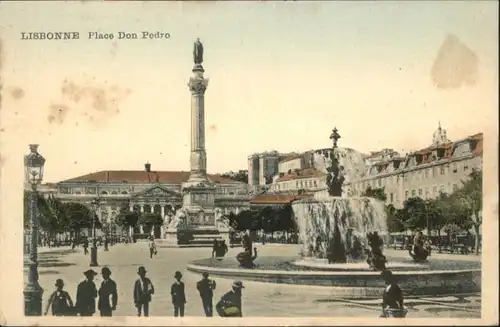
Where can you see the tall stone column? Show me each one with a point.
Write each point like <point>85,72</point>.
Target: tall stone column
<point>198,85</point>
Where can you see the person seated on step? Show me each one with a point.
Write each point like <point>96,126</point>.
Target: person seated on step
<point>246,259</point>
<point>392,299</point>
<point>418,252</point>
<point>219,248</point>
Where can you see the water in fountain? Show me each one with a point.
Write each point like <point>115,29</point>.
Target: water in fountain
<point>325,221</point>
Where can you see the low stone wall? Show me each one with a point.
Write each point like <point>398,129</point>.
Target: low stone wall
<point>358,282</point>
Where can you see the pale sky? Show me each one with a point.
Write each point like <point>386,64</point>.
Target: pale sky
<point>282,75</point>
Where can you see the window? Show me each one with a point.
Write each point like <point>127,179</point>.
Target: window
<point>442,171</point>
<point>466,167</point>
<point>413,193</point>
<point>379,182</point>
<point>78,192</point>
<point>114,192</point>
<point>297,184</point>
<point>454,167</point>
<point>392,197</point>
<point>406,195</point>
<point>420,192</point>
<point>426,173</point>
<point>315,183</point>
<point>104,193</point>
<point>455,187</point>
<point>124,193</point>
<point>441,189</point>
<point>427,192</point>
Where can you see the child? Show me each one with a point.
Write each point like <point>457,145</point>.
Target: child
<point>60,301</point>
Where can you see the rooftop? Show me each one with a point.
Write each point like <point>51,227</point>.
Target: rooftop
<point>304,173</point>
<point>142,176</point>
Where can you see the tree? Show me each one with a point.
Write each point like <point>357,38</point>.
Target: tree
<point>127,218</point>
<point>150,220</point>
<point>240,176</point>
<point>377,193</point>
<point>414,213</point>
<point>395,221</point>
<point>79,216</point>
<point>469,200</point>
<point>269,218</point>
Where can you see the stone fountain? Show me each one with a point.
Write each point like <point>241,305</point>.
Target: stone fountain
<point>341,248</point>
<point>335,227</point>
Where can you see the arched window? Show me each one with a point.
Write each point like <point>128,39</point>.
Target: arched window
<point>114,192</point>
<point>124,192</point>
<point>104,193</point>
<point>78,192</point>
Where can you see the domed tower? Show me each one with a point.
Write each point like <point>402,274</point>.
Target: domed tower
<point>439,136</point>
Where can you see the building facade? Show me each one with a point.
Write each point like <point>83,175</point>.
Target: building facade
<point>263,166</point>
<point>145,191</point>
<point>439,168</point>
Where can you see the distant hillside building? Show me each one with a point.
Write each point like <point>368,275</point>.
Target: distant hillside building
<point>425,173</point>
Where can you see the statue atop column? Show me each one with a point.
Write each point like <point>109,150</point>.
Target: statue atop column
<point>198,52</point>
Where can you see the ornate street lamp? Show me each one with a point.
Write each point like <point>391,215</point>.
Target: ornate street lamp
<point>93,250</point>
<point>33,164</point>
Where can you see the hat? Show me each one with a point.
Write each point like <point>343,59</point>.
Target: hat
<point>90,272</point>
<point>178,274</point>
<point>205,274</point>
<point>105,270</point>
<point>238,284</point>
<point>59,282</point>
<point>141,270</point>
<point>386,274</point>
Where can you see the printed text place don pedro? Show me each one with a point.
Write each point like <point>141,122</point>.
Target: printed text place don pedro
<point>92,35</point>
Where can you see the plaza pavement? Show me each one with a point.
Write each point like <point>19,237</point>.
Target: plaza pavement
<point>259,299</point>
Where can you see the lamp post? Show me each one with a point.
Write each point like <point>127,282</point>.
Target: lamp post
<point>93,250</point>
<point>33,164</point>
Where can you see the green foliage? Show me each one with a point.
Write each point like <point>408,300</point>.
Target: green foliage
<point>127,218</point>
<point>395,220</point>
<point>79,216</point>
<point>269,219</point>
<point>240,176</point>
<point>377,193</point>
<point>414,213</point>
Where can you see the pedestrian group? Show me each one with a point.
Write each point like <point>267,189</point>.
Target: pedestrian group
<point>60,302</point>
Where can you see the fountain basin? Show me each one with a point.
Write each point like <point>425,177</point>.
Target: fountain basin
<point>452,277</point>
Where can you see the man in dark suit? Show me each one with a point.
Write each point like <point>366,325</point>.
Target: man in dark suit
<point>107,289</point>
<point>393,296</point>
<point>178,295</point>
<point>143,289</point>
<point>206,288</point>
<point>86,294</point>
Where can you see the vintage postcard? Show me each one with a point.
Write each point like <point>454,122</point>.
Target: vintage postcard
<point>249,163</point>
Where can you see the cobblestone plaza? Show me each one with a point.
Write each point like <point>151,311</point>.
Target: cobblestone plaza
<point>259,299</point>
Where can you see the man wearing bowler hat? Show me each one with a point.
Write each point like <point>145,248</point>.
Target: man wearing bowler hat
<point>230,304</point>
<point>107,289</point>
<point>178,295</point>
<point>86,294</point>
<point>143,289</point>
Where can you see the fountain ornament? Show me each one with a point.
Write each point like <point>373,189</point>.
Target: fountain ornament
<point>337,228</point>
